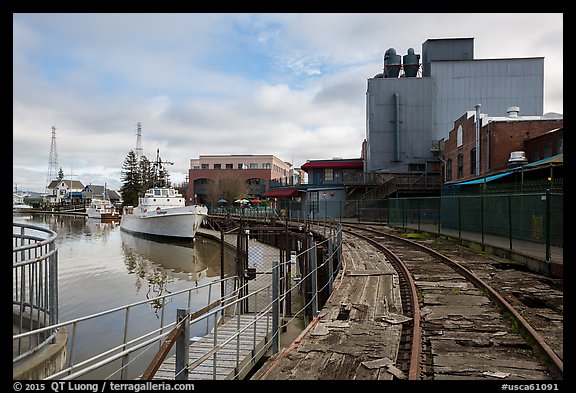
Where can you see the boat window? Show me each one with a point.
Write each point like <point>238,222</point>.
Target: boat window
<point>157,192</point>
<point>164,192</point>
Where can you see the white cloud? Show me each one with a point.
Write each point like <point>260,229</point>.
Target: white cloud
<point>291,85</point>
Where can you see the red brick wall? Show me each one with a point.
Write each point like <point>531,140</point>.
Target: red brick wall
<point>504,137</point>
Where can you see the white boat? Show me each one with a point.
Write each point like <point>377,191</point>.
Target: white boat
<point>21,207</point>
<point>102,209</point>
<point>18,204</point>
<point>162,212</point>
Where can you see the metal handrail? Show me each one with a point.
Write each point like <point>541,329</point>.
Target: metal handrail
<point>34,288</point>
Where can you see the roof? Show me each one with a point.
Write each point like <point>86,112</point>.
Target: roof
<point>77,184</point>
<point>557,159</point>
<point>484,179</point>
<point>281,193</point>
<point>340,164</point>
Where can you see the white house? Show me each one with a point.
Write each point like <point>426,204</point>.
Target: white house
<point>58,189</point>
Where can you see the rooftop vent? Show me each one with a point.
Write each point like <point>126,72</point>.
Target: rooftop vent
<point>517,158</point>
<point>513,111</point>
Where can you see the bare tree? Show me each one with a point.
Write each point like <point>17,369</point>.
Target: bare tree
<point>228,188</point>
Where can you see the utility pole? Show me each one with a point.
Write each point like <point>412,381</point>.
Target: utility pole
<point>52,161</point>
<point>138,150</point>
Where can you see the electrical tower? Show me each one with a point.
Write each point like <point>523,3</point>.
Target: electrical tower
<point>52,160</point>
<point>138,150</point>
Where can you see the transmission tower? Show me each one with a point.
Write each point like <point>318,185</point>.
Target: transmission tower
<point>52,160</point>
<point>138,151</point>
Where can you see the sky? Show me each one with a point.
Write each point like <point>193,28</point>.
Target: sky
<point>292,85</point>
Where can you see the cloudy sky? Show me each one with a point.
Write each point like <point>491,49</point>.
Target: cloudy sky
<point>291,85</point>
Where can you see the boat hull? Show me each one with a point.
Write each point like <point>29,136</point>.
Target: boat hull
<point>179,222</point>
<point>103,216</point>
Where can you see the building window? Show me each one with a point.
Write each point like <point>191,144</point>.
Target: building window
<point>473,162</point>
<point>266,165</point>
<point>253,165</point>
<point>204,166</point>
<point>196,167</point>
<point>449,169</point>
<point>229,166</point>
<point>217,166</point>
<point>536,153</point>
<point>328,174</point>
<point>459,137</point>
<point>460,165</point>
<point>240,166</point>
<point>416,167</point>
<point>547,149</point>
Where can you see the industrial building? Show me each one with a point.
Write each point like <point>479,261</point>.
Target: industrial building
<point>497,143</point>
<point>412,105</point>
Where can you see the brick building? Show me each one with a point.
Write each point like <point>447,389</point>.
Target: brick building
<point>499,136</point>
<point>257,172</point>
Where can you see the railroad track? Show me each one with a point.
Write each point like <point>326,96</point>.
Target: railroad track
<point>470,316</point>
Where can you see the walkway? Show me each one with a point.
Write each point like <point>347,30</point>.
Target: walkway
<point>223,354</point>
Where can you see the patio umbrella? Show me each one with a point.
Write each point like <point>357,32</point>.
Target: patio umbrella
<point>244,201</point>
<point>222,200</point>
<point>255,201</point>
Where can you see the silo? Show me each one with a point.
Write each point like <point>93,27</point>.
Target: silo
<point>411,63</point>
<point>392,63</point>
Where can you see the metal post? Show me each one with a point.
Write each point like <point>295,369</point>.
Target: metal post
<point>439,214</point>
<point>314,277</point>
<point>275,307</point>
<point>548,202</point>
<point>339,246</point>
<point>123,373</point>
<point>418,200</point>
<point>459,218</point>
<point>330,262</point>
<point>182,342</point>
<point>222,264</point>
<point>482,217</point>
<point>510,220</point>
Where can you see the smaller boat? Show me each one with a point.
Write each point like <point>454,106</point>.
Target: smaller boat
<point>18,204</point>
<point>21,207</point>
<point>102,209</point>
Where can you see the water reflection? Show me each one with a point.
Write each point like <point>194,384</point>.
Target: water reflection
<point>96,227</point>
<point>156,263</point>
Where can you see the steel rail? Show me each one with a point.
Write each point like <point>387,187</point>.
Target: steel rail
<point>554,363</point>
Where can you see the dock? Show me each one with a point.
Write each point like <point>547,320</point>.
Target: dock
<point>223,353</point>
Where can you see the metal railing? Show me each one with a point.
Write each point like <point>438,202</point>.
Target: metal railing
<point>34,289</point>
<point>123,359</point>
<point>278,291</point>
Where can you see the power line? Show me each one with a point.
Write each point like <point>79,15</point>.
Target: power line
<point>52,160</point>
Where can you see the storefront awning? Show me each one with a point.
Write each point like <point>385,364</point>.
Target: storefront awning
<point>283,193</point>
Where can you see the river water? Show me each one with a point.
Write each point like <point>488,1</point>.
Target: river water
<point>101,267</point>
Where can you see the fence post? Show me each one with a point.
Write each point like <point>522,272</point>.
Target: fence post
<point>222,263</point>
<point>275,307</point>
<point>548,202</point>
<point>482,217</point>
<point>439,214</point>
<point>330,262</point>
<point>313,274</point>
<point>459,218</point>
<point>510,220</point>
<point>182,342</point>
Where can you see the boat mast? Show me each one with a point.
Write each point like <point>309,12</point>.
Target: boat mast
<point>158,169</point>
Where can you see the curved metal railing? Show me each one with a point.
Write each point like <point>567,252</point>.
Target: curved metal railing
<point>34,288</point>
